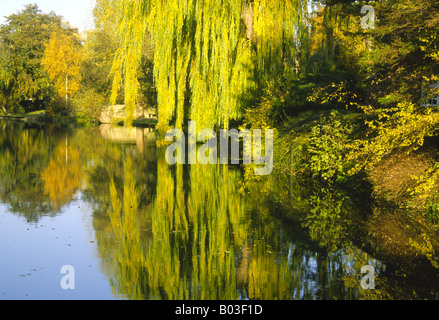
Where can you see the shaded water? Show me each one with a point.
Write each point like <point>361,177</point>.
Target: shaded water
<point>104,201</point>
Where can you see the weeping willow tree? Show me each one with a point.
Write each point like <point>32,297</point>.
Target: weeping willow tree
<point>282,38</point>
<point>208,55</point>
<point>203,237</point>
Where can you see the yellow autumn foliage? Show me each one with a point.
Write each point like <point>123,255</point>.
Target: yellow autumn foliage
<point>205,66</point>
<point>63,176</point>
<point>62,60</point>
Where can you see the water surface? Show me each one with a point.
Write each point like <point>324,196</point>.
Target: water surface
<point>104,201</point>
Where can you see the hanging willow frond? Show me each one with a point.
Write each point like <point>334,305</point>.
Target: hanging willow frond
<point>204,65</point>
<point>131,35</point>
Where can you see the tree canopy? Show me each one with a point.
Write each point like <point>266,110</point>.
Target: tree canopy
<point>23,81</point>
<point>62,61</point>
<point>205,67</point>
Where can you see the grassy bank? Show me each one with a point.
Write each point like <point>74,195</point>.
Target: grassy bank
<point>40,116</point>
<point>33,114</point>
<point>140,122</point>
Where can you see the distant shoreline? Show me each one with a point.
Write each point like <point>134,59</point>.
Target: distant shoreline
<point>44,119</point>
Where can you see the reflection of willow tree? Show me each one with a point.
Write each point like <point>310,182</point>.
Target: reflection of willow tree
<point>123,219</point>
<point>62,177</point>
<point>220,230</point>
<point>106,162</point>
<point>204,238</point>
<point>172,232</point>
<point>195,242</point>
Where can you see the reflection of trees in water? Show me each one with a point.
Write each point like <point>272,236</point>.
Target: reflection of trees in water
<point>203,238</point>
<point>63,175</point>
<point>25,152</point>
<point>197,232</point>
<point>43,166</point>
<point>346,219</point>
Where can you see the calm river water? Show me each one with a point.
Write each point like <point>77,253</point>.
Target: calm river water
<point>104,201</point>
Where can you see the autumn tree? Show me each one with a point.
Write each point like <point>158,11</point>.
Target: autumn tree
<point>24,84</point>
<point>62,60</point>
<point>6,77</point>
<point>99,50</point>
<point>204,64</point>
<point>407,49</point>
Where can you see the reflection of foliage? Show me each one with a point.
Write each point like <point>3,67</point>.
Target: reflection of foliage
<point>328,218</point>
<point>204,231</point>
<point>62,177</point>
<point>333,218</point>
<point>425,247</point>
<point>326,212</point>
<point>125,227</point>
<point>204,238</point>
<point>265,266</point>
<point>24,154</point>
<point>220,227</point>
<point>193,243</point>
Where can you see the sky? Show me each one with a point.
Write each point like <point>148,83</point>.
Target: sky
<point>77,12</point>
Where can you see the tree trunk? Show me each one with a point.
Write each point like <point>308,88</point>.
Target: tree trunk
<point>247,16</point>
<point>5,111</point>
<point>67,88</point>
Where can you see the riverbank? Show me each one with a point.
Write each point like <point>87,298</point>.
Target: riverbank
<point>40,114</point>
<point>40,117</point>
<point>395,184</point>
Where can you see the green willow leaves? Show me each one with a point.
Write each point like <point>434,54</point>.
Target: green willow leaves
<point>208,55</point>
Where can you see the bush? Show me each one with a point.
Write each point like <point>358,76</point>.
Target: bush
<point>328,147</point>
<point>89,104</point>
<point>401,128</point>
<point>58,108</point>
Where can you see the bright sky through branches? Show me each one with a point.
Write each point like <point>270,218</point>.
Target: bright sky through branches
<point>77,12</point>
